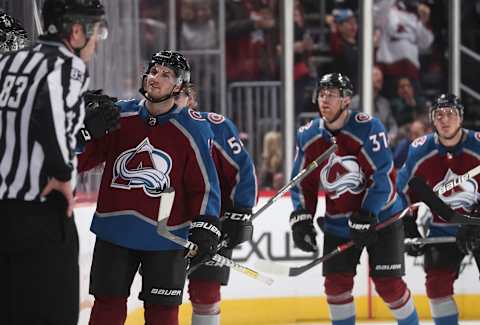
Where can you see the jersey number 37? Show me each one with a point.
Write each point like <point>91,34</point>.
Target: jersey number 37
<point>377,141</point>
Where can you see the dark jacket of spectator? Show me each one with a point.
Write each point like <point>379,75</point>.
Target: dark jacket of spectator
<point>407,106</point>
<point>250,45</point>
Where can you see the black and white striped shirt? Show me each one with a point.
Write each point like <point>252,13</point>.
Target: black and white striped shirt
<point>41,110</point>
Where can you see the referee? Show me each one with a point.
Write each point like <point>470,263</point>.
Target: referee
<point>41,111</point>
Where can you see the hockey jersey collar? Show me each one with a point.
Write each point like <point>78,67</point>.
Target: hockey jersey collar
<point>159,119</point>
<point>56,43</point>
<point>456,149</point>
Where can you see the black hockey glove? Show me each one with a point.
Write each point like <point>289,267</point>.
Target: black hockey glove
<point>411,231</point>
<point>205,233</point>
<point>303,231</point>
<point>362,228</point>
<point>237,226</point>
<point>468,239</point>
<point>101,116</point>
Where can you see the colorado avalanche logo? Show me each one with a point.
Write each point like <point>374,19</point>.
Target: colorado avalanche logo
<point>195,115</point>
<point>342,174</point>
<point>419,141</point>
<point>462,196</point>
<point>477,136</point>
<point>215,118</point>
<point>143,167</point>
<point>362,117</point>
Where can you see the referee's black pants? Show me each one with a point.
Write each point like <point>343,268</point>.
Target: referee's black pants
<point>39,272</point>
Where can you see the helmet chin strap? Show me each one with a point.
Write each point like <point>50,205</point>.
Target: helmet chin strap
<point>78,51</point>
<point>157,100</point>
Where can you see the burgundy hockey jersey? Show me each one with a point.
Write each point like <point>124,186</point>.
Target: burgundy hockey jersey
<point>143,158</point>
<point>359,174</point>
<point>436,164</point>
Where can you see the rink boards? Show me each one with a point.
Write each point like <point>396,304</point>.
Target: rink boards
<point>246,301</point>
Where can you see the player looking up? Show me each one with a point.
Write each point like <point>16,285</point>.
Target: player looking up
<point>159,146</point>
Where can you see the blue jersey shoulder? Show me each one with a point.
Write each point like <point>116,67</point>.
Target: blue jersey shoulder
<point>222,127</point>
<point>129,105</point>
<point>421,146</point>
<point>195,123</point>
<point>361,125</point>
<point>312,131</point>
<point>473,141</point>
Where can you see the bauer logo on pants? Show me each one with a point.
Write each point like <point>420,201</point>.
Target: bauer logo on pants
<point>165,292</point>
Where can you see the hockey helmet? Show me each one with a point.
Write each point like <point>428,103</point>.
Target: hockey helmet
<point>410,5</point>
<point>13,36</point>
<point>175,61</point>
<point>446,100</point>
<point>60,15</point>
<point>333,80</point>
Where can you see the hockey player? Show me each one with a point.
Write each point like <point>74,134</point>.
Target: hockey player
<point>158,146</point>
<point>238,186</point>
<point>359,185</point>
<point>42,109</point>
<point>438,157</point>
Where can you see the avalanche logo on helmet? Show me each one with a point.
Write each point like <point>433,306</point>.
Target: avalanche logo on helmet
<point>462,196</point>
<point>143,167</point>
<point>342,174</point>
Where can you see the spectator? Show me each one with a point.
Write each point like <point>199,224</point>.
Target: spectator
<point>198,30</point>
<point>417,129</point>
<point>343,43</point>
<point>250,45</point>
<point>407,106</point>
<point>153,27</point>
<point>381,108</point>
<point>302,47</point>
<point>272,157</point>
<point>404,34</point>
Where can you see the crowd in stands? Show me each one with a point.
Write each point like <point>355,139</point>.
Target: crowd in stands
<point>410,55</point>
<point>410,66</point>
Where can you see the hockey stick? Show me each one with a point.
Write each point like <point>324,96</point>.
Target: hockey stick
<point>287,187</point>
<point>36,17</point>
<point>458,180</point>
<point>429,240</point>
<point>162,229</point>
<point>427,195</point>
<point>300,176</point>
<point>291,271</point>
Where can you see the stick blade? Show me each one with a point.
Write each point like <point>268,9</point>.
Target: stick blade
<point>270,267</point>
<point>166,202</point>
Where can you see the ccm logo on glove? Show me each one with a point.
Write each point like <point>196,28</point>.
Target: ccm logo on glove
<point>237,216</point>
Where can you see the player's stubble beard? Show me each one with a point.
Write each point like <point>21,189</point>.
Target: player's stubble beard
<point>337,115</point>
<point>161,98</point>
<point>454,134</point>
<point>451,137</point>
